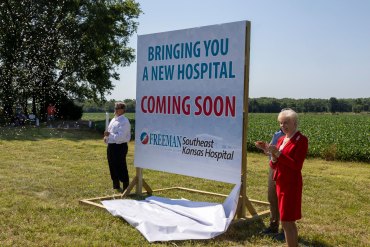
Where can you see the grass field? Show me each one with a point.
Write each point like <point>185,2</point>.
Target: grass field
<point>45,172</point>
<point>99,116</point>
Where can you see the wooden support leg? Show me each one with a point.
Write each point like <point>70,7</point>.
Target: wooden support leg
<point>139,184</point>
<point>250,207</point>
<point>130,187</point>
<point>147,187</point>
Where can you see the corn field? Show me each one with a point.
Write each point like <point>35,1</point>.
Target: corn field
<point>332,137</point>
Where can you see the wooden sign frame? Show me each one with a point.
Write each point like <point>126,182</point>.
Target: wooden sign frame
<point>244,202</point>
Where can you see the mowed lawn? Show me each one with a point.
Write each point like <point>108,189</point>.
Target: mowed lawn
<point>45,172</point>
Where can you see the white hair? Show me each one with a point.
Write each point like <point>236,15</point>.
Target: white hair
<point>290,114</point>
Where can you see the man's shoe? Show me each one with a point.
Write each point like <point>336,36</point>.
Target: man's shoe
<point>270,230</point>
<point>280,236</point>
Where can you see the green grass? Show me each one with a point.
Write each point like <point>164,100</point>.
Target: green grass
<point>45,172</point>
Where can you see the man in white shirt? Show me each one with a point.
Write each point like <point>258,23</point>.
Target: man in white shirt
<point>117,136</point>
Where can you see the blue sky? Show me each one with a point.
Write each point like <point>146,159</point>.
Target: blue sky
<point>299,48</point>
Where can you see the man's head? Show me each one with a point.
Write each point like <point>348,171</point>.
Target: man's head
<point>119,108</point>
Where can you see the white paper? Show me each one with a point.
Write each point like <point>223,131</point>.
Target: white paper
<point>163,219</point>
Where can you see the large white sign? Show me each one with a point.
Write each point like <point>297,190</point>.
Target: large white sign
<point>189,101</point>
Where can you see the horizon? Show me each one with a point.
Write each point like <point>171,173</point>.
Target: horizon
<point>270,98</point>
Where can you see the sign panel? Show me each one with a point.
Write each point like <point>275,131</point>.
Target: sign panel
<point>189,101</point>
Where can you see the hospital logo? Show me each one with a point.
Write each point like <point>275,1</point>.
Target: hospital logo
<point>144,138</point>
<point>159,139</point>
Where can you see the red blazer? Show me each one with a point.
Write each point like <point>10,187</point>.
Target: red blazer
<point>288,177</point>
<point>289,164</point>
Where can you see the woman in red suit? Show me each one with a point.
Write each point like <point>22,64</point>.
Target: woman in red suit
<point>287,160</point>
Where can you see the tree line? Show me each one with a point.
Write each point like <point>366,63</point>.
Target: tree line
<point>331,105</point>
<point>263,105</point>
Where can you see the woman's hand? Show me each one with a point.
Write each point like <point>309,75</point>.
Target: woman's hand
<point>106,136</point>
<point>274,151</point>
<point>262,145</point>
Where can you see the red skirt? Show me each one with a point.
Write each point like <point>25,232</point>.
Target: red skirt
<point>289,201</point>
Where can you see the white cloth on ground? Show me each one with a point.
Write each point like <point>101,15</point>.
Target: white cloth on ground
<point>163,219</point>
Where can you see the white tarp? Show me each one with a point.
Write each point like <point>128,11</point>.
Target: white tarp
<point>163,219</point>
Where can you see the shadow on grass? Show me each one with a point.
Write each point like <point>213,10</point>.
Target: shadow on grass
<point>242,231</point>
<point>251,230</point>
<point>32,133</point>
<point>313,243</point>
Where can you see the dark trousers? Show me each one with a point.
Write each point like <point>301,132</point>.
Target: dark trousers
<point>116,154</point>
<point>273,200</point>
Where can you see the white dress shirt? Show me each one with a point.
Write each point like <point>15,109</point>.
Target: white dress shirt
<point>119,130</point>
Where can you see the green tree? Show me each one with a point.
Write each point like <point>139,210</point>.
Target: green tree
<point>358,106</point>
<point>333,105</point>
<point>130,105</point>
<point>64,48</point>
